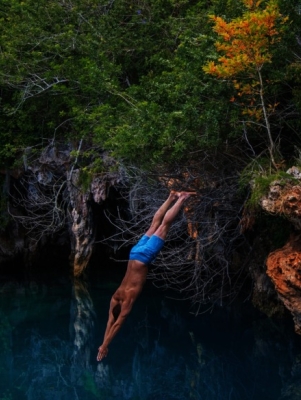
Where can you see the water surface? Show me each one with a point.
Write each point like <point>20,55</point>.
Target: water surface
<point>50,331</point>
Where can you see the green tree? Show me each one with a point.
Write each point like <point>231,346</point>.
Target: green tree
<point>122,75</point>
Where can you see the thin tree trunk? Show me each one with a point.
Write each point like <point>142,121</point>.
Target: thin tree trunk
<point>267,122</point>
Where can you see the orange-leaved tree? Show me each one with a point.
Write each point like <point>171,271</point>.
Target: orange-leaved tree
<point>245,45</point>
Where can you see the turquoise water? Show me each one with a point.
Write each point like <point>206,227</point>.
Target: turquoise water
<point>50,332</point>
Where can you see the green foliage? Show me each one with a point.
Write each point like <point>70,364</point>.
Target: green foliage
<point>261,185</point>
<point>89,167</point>
<point>85,179</point>
<point>50,79</point>
<point>260,175</point>
<point>127,76</point>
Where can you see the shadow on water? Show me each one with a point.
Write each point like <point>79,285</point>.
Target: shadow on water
<point>50,332</point>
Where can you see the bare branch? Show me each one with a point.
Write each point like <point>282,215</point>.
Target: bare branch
<point>197,259</point>
<point>39,200</point>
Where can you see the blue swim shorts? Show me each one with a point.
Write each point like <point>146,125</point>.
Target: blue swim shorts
<point>147,249</point>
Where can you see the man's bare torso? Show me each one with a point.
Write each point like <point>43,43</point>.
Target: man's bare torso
<point>132,282</point>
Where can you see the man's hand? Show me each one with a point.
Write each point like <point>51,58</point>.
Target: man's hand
<point>102,353</point>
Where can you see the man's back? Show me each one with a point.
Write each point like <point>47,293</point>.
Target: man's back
<point>132,282</point>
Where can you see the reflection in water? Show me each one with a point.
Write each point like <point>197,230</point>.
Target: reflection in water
<point>48,352</point>
<point>82,321</point>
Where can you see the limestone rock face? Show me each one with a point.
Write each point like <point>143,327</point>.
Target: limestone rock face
<point>47,201</point>
<point>284,268</point>
<point>285,199</point>
<point>82,236</point>
<point>81,216</point>
<point>284,265</point>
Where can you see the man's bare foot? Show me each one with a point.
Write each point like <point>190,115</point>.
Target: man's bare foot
<point>174,195</point>
<point>185,195</point>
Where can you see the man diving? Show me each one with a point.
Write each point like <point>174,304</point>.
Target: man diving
<point>141,255</point>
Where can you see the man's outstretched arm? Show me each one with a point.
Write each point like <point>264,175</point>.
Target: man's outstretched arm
<point>113,327</point>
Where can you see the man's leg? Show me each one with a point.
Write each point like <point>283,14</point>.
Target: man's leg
<point>171,214</point>
<point>160,213</point>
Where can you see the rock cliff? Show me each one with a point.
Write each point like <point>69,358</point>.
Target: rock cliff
<point>284,264</point>
<point>284,198</point>
<point>81,215</point>
<point>47,200</point>
<point>284,268</point>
